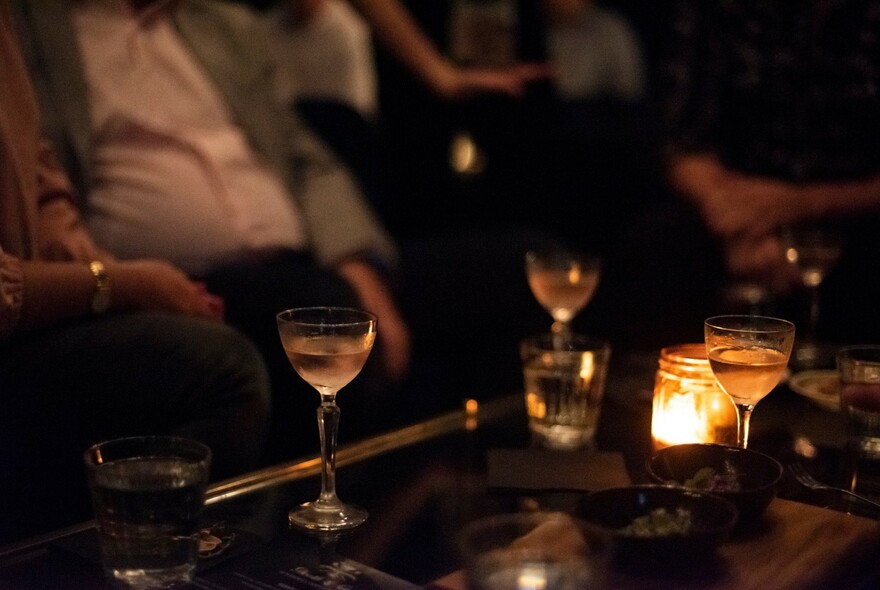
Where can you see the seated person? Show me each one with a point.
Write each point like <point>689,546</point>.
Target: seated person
<point>92,347</point>
<point>771,119</point>
<point>184,154</point>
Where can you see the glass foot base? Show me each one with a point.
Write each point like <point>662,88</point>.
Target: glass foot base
<point>140,577</point>
<point>326,516</point>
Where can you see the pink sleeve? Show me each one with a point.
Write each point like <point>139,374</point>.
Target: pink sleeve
<point>61,234</point>
<point>11,288</point>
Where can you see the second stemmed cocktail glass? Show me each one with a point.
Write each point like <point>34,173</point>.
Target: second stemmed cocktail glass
<point>748,355</point>
<point>813,251</point>
<point>563,282</point>
<point>327,347</point>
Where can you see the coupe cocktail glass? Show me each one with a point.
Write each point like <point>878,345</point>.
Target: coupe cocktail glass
<point>748,355</point>
<point>327,347</point>
<point>563,282</point>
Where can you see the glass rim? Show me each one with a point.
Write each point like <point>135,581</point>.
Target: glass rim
<point>874,348</point>
<point>546,340</point>
<point>368,317</point>
<point>556,254</point>
<point>783,325</point>
<point>686,353</point>
<point>167,440</point>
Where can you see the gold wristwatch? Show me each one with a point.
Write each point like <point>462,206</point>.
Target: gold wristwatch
<point>101,299</point>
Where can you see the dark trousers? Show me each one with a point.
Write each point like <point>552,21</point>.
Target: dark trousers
<point>120,375</point>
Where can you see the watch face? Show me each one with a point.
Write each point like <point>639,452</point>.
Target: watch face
<point>101,300</point>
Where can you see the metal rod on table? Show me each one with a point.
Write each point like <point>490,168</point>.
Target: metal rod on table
<point>361,450</point>
<point>311,466</point>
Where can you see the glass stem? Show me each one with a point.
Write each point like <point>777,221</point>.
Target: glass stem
<point>328,426</point>
<point>561,333</point>
<point>744,413</point>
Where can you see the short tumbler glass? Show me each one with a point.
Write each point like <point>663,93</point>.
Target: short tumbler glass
<point>148,494</point>
<point>859,368</point>
<point>530,550</point>
<point>564,386</point>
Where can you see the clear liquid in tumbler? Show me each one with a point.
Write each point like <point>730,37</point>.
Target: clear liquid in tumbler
<point>147,511</point>
<point>563,404</point>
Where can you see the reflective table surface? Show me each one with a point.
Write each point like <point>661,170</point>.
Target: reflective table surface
<point>422,483</point>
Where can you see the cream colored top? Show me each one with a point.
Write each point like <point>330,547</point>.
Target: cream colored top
<point>162,130</point>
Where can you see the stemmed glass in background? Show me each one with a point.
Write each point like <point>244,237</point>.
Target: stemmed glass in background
<point>327,347</point>
<point>563,282</point>
<point>814,251</point>
<point>748,355</point>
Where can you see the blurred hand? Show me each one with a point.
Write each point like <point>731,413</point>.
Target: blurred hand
<point>735,205</point>
<point>749,206</point>
<point>158,285</point>
<point>376,298</point>
<point>460,83</point>
<point>761,259</point>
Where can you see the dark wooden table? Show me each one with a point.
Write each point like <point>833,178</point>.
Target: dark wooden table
<point>422,483</point>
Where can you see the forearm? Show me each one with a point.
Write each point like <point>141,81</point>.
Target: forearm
<point>55,292</point>
<point>695,176</point>
<point>58,291</point>
<point>840,199</point>
<point>736,205</point>
<point>398,31</point>
<point>376,297</point>
<point>371,289</point>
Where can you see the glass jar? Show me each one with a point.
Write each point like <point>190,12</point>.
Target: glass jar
<point>689,405</point>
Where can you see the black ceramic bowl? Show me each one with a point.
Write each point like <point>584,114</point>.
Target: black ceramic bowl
<point>615,510</point>
<point>755,476</point>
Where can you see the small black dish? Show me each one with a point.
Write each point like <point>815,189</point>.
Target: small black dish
<point>755,474</point>
<point>615,509</point>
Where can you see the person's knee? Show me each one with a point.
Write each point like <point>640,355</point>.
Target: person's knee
<point>244,399</point>
<point>223,394</point>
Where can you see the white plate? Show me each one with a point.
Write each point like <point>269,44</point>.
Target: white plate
<point>820,387</point>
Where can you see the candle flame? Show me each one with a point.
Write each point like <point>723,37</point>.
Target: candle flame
<point>680,421</point>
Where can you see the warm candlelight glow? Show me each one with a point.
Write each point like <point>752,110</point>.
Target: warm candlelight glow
<point>471,410</point>
<point>689,407</point>
<point>678,421</point>
<point>587,366</point>
<point>533,578</point>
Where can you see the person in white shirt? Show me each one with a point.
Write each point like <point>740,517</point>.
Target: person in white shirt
<point>169,114</point>
<point>92,347</point>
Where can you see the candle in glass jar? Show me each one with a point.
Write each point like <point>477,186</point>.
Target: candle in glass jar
<point>689,406</point>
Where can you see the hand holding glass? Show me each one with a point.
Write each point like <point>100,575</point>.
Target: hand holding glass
<point>748,355</point>
<point>327,347</point>
<point>563,283</point>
